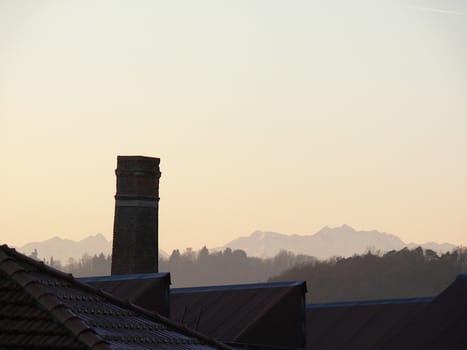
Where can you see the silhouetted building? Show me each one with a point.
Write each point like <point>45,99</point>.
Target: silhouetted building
<point>262,315</point>
<point>135,242</point>
<point>43,308</point>
<point>442,324</point>
<point>357,325</point>
<point>148,290</point>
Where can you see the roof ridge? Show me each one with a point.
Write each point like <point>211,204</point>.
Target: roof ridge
<point>369,302</point>
<point>112,298</point>
<point>50,303</point>
<point>241,286</point>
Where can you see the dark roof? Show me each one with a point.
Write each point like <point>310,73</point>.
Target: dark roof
<point>148,290</point>
<point>357,325</point>
<point>369,302</point>
<point>441,325</point>
<point>266,314</point>
<point>44,308</point>
<point>233,287</point>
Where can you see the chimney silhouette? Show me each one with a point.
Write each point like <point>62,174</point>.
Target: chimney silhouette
<point>135,242</point>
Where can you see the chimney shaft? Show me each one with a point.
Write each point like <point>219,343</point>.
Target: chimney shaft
<point>135,242</point>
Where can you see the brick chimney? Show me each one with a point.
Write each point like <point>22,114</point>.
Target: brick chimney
<point>135,242</point>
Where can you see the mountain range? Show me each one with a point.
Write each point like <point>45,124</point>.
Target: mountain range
<point>327,242</point>
<point>338,241</point>
<point>62,249</point>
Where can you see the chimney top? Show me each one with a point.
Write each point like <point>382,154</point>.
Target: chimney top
<point>135,157</point>
<point>135,243</point>
<point>137,163</point>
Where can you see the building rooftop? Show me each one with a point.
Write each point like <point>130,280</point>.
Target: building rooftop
<point>43,308</point>
<point>232,287</point>
<point>147,290</point>
<point>263,314</point>
<point>357,325</point>
<point>442,324</point>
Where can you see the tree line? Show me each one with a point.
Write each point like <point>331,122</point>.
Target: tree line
<point>226,267</point>
<point>86,266</point>
<point>396,274</point>
<point>194,268</point>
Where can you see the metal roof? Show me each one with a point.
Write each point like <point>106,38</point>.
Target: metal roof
<point>441,325</point>
<point>411,323</point>
<point>261,314</point>
<point>369,302</point>
<point>138,276</point>
<point>357,325</point>
<point>232,287</point>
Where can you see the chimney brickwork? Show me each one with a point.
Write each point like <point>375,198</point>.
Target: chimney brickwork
<point>135,242</point>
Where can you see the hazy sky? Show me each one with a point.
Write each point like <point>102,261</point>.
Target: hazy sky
<point>270,115</point>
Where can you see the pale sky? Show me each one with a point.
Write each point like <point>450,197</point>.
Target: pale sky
<point>267,115</point>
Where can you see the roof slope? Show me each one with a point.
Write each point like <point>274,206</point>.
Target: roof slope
<point>45,308</point>
<point>268,314</point>
<point>23,324</point>
<point>148,290</point>
<point>441,325</point>
<point>357,325</point>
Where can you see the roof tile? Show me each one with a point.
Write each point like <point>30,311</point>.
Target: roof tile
<point>56,311</point>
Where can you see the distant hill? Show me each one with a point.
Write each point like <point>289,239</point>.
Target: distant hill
<point>63,249</point>
<point>338,241</point>
<point>397,274</point>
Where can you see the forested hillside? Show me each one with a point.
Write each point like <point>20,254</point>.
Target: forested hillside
<point>396,274</point>
<point>226,267</point>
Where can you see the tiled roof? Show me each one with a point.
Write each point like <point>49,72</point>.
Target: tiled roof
<point>42,308</point>
<point>357,325</point>
<point>23,324</point>
<point>266,314</point>
<point>148,290</point>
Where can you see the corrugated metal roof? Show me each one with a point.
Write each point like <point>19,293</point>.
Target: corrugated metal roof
<point>45,308</point>
<point>267,314</point>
